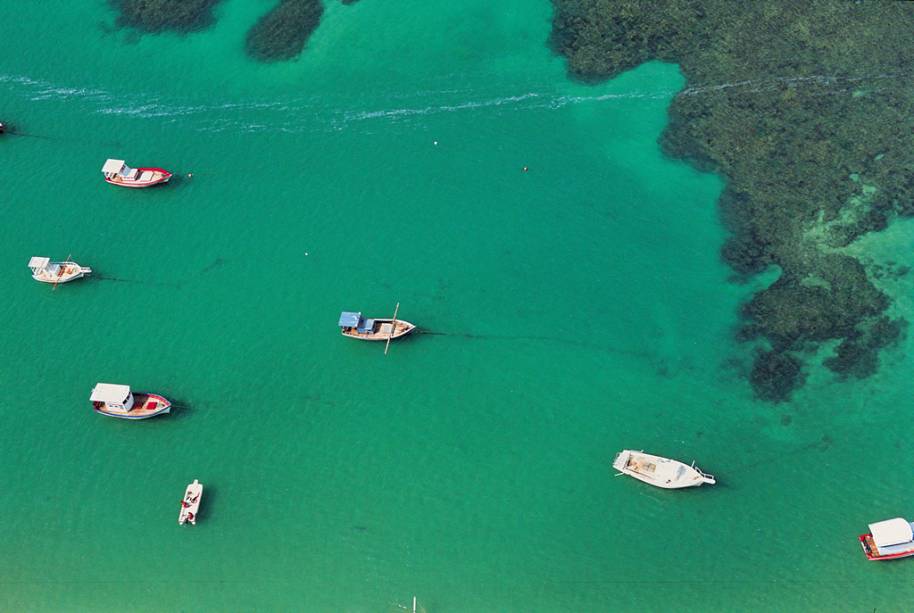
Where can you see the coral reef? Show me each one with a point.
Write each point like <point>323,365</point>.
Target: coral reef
<point>282,33</point>
<point>806,109</point>
<point>160,15</point>
<point>775,374</point>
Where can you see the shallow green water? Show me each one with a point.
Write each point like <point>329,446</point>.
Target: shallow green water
<point>578,308</point>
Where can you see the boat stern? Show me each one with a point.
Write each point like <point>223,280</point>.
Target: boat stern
<point>867,549</point>
<point>706,479</point>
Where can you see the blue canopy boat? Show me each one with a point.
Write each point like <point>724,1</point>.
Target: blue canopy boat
<point>354,325</point>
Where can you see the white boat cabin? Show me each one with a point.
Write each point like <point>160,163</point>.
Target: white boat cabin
<point>41,266</point>
<point>114,398</point>
<point>891,533</point>
<point>114,169</point>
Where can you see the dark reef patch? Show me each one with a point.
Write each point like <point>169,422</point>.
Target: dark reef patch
<point>282,33</point>
<point>161,15</point>
<point>775,374</point>
<point>807,109</point>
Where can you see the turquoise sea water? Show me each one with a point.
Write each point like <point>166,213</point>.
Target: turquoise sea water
<point>571,310</point>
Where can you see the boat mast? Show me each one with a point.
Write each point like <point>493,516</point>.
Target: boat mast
<point>60,271</point>
<point>393,326</point>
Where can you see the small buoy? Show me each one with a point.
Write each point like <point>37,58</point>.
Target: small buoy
<point>190,175</point>
<point>306,253</point>
<point>434,142</point>
<point>525,169</point>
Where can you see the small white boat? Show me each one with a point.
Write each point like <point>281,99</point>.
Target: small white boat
<point>888,540</point>
<point>190,505</point>
<point>658,471</point>
<point>46,271</point>
<point>116,172</point>
<point>118,401</point>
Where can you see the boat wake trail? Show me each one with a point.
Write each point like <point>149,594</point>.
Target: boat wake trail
<point>97,277</point>
<point>543,339</point>
<point>316,114</point>
<point>821,445</point>
<point>27,135</point>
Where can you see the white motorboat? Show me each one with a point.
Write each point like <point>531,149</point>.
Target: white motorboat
<point>190,505</point>
<point>888,540</point>
<point>119,401</point>
<point>659,471</point>
<point>116,172</point>
<point>46,271</point>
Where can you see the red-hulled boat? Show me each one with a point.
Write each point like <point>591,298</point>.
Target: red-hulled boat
<point>118,401</point>
<point>888,540</point>
<point>116,172</point>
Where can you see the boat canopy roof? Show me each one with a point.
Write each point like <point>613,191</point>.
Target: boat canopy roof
<point>39,262</point>
<point>891,532</point>
<point>110,392</point>
<point>113,166</point>
<point>349,319</point>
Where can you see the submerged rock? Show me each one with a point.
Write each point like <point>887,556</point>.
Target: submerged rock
<point>775,375</point>
<point>772,102</point>
<point>160,15</point>
<point>282,33</point>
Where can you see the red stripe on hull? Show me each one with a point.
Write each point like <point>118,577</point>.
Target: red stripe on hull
<point>877,558</point>
<point>137,184</point>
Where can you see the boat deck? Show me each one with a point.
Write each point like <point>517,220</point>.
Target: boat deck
<point>144,405</point>
<point>381,330</point>
<point>640,465</point>
<point>145,177</point>
<point>871,545</point>
<point>61,273</point>
<point>662,470</point>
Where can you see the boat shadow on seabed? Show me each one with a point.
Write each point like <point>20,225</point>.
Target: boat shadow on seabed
<point>101,277</point>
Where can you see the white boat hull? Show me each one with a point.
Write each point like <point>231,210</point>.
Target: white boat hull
<point>660,472</point>
<point>68,271</point>
<point>190,504</point>
<point>145,406</point>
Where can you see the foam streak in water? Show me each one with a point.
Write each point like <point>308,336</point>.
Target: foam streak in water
<point>301,114</point>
